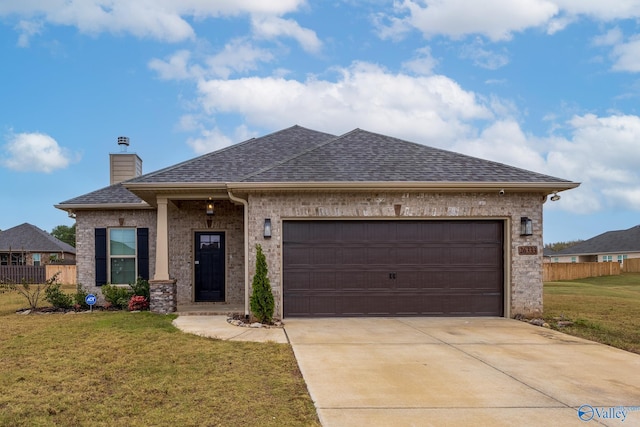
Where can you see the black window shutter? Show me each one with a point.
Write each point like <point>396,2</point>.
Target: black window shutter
<point>143,253</point>
<point>101,256</point>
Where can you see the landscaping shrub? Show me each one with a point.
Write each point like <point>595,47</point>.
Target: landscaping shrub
<point>79,298</point>
<point>57,297</point>
<point>30,292</point>
<point>138,302</point>
<point>262,304</point>
<point>141,288</point>
<point>117,296</point>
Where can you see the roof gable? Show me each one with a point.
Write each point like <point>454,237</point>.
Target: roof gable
<point>27,237</point>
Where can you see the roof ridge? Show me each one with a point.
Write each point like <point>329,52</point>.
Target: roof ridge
<point>295,156</point>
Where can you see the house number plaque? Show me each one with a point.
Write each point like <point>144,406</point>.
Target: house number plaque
<point>527,250</point>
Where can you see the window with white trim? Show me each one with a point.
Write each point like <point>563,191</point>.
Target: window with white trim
<point>607,258</point>
<point>122,256</point>
<point>36,259</point>
<point>574,259</point>
<point>621,258</point>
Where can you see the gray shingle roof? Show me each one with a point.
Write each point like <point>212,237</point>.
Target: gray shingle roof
<point>366,156</point>
<point>619,241</point>
<point>30,238</point>
<point>297,154</point>
<point>233,163</point>
<point>113,194</point>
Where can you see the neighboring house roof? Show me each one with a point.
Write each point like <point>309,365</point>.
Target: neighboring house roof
<point>620,241</point>
<point>27,237</point>
<point>300,155</point>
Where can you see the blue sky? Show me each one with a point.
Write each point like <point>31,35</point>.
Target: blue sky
<point>552,86</point>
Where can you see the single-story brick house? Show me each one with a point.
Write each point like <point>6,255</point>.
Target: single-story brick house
<point>611,246</point>
<point>357,224</point>
<point>26,244</point>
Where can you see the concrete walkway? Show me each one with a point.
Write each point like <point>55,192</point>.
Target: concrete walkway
<point>461,372</point>
<point>218,327</point>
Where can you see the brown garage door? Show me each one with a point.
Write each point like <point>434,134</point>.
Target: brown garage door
<point>393,268</point>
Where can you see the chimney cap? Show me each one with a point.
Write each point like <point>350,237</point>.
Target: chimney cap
<point>123,142</point>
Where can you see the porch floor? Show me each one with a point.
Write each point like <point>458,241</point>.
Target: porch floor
<point>209,309</point>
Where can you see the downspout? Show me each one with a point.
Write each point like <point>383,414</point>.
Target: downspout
<point>245,203</point>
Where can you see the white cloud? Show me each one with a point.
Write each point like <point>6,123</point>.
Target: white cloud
<point>497,19</point>
<point>35,152</point>
<point>237,56</point>
<point>27,29</point>
<point>215,139</point>
<point>175,67</point>
<point>158,19</point>
<point>610,38</point>
<point>270,27</point>
<point>627,56</point>
<point>363,95</point>
<point>483,57</point>
<point>423,63</point>
<point>503,141</point>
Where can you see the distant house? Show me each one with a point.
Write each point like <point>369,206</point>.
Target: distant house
<point>26,244</point>
<point>607,247</point>
<point>360,224</point>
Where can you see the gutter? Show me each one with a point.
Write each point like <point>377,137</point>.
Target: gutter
<point>244,203</point>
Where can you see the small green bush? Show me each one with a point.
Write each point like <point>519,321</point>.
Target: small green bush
<point>117,296</point>
<point>262,304</point>
<point>57,297</point>
<point>141,288</point>
<point>79,298</point>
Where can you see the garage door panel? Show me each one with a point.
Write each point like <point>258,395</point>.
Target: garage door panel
<point>353,268</point>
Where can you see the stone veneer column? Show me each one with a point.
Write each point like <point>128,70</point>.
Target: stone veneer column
<point>162,289</point>
<point>162,296</point>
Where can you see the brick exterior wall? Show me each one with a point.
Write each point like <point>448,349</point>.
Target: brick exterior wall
<point>523,273</point>
<point>88,221</point>
<point>187,217</point>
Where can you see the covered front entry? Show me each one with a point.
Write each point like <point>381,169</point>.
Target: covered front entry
<point>393,268</point>
<point>209,266</point>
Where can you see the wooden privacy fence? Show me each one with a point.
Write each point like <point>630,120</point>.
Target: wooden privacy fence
<point>631,265</point>
<point>38,274</point>
<point>67,274</point>
<point>579,270</point>
<point>18,273</point>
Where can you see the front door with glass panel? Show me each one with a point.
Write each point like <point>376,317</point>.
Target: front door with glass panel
<point>209,266</point>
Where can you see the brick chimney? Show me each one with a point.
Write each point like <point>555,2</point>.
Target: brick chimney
<point>123,165</point>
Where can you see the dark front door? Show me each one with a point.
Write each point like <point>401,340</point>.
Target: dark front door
<point>209,266</point>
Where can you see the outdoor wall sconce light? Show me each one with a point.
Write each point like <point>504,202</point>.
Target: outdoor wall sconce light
<point>210,209</point>
<point>526,226</point>
<point>555,197</point>
<point>267,228</point>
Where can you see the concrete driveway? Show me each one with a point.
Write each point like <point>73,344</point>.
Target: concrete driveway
<point>461,371</point>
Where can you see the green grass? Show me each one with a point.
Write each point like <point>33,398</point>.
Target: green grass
<point>136,369</point>
<point>604,309</point>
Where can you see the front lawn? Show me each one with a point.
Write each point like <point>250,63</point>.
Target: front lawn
<point>136,369</point>
<point>604,309</point>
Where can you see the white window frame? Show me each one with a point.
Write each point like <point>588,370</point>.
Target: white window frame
<point>37,259</point>
<point>111,257</point>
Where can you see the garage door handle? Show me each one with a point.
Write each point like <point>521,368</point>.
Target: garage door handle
<point>392,276</point>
